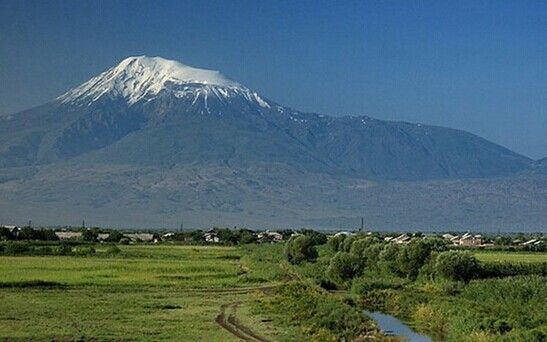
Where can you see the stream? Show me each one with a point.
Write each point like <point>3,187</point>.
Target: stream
<point>393,326</point>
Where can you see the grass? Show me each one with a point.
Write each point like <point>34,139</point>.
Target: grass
<point>513,257</point>
<point>145,293</point>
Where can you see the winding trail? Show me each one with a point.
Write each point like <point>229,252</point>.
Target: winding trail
<point>227,318</point>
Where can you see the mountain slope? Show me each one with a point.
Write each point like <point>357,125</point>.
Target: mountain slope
<point>154,111</point>
<point>150,141</point>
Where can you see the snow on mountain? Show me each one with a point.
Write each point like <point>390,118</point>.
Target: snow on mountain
<point>144,78</point>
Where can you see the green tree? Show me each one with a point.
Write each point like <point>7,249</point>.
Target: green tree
<point>90,235</point>
<point>457,265</point>
<point>246,236</point>
<point>415,254</point>
<point>372,254</point>
<point>300,248</point>
<point>388,258</point>
<point>335,242</point>
<point>316,237</point>
<point>115,236</point>
<point>344,266</point>
<point>358,246</point>
<point>5,234</point>
<point>348,242</point>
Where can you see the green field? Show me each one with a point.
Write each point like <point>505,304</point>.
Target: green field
<point>513,257</point>
<point>145,293</point>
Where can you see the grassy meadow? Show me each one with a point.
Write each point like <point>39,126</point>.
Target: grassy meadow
<point>512,257</point>
<point>155,293</point>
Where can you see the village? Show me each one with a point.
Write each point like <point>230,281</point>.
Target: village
<point>238,236</point>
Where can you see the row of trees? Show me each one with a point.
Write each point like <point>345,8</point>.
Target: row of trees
<point>352,255</point>
<point>27,233</point>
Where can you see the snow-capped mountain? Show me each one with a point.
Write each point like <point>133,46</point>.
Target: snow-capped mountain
<point>149,110</point>
<point>150,139</point>
<point>145,78</point>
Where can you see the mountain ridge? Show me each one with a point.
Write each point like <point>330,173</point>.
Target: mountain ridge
<point>171,146</point>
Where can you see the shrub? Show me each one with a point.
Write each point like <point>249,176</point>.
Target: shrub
<point>113,250</point>
<point>90,235</point>
<point>321,316</point>
<point>364,285</point>
<point>64,249</point>
<point>415,254</point>
<point>327,284</point>
<point>17,248</point>
<point>348,242</point>
<point>508,269</point>
<point>115,236</point>
<point>335,242</point>
<point>495,326</point>
<point>358,246</point>
<point>457,265</point>
<point>84,251</point>
<point>372,254</point>
<point>388,258</point>
<point>344,266</point>
<point>316,237</point>
<point>300,248</point>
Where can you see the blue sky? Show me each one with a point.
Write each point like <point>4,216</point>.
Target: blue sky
<point>474,65</point>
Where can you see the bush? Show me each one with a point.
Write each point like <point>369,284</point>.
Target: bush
<point>327,284</point>
<point>84,251</point>
<point>372,254</point>
<point>321,316</point>
<point>358,246</point>
<point>344,266</point>
<point>364,285</point>
<point>113,250</point>
<point>495,326</point>
<point>415,254</point>
<point>90,235</point>
<point>335,242</point>
<point>65,249</point>
<point>509,269</point>
<point>457,265</point>
<point>317,238</point>
<point>17,248</point>
<point>348,242</point>
<point>388,258</point>
<point>300,248</point>
<point>115,236</point>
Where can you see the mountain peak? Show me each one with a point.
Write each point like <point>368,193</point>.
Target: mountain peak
<point>140,77</point>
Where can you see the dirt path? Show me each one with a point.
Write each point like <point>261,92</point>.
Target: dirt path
<point>227,318</point>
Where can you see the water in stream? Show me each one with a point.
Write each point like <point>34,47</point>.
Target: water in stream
<point>393,326</point>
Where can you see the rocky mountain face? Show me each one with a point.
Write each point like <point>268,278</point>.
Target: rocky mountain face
<point>166,140</point>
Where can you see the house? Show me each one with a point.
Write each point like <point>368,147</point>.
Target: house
<point>453,239</point>
<point>268,236</point>
<point>343,233</point>
<point>402,239</point>
<point>469,239</point>
<point>141,237</point>
<point>103,236</point>
<point>448,236</point>
<point>211,236</point>
<point>62,235</point>
<point>10,227</point>
<point>531,242</point>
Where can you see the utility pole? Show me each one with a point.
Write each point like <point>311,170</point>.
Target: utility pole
<point>30,223</point>
<point>362,223</point>
<point>83,224</point>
